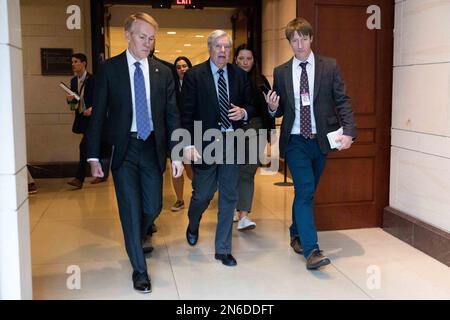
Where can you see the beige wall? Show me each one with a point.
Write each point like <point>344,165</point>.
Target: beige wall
<point>15,256</point>
<point>420,159</point>
<point>48,119</point>
<point>275,48</point>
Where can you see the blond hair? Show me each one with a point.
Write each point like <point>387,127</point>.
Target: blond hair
<point>140,16</point>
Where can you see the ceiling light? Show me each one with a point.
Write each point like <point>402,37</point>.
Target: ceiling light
<point>179,51</point>
<point>171,32</point>
<point>187,44</point>
<point>199,36</point>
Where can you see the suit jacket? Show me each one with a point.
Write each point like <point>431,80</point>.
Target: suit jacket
<point>199,101</point>
<point>81,122</point>
<point>332,107</point>
<point>113,97</point>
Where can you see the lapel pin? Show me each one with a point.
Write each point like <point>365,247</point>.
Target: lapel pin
<point>156,70</point>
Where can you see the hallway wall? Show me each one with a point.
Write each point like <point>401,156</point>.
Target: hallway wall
<point>275,48</point>
<point>48,118</point>
<point>420,153</point>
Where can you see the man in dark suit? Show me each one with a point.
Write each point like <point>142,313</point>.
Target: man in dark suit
<point>83,85</point>
<point>138,94</point>
<point>217,94</point>
<point>308,91</point>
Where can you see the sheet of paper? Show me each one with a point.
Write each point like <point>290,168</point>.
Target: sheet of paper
<point>332,138</point>
<point>68,91</point>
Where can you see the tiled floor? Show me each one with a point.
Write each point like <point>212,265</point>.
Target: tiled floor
<point>82,228</point>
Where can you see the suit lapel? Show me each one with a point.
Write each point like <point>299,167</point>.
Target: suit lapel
<point>154,83</point>
<point>231,83</point>
<point>289,83</point>
<point>209,84</point>
<point>317,75</point>
<point>124,76</point>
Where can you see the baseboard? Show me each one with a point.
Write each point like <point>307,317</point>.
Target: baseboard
<point>55,170</point>
<point>428,239</point>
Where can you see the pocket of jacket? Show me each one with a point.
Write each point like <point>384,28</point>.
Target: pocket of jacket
<point>332,120</point>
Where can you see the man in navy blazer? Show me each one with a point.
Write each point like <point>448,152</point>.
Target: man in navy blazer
<point>308,91</point>
<point>83,85</point>
<point>217,95</point>
<point>138,95</point>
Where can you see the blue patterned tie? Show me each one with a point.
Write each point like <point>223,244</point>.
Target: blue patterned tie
<point>140,100</point>
<point>224,104</point>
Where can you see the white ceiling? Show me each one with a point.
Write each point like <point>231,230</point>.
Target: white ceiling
<point>186,23</point>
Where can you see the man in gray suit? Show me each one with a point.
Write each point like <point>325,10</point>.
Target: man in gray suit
<point>308,91</point>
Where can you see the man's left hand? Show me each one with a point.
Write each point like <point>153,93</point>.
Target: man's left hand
<point>177,168</point>
<point>236,113</point>
<point>87,112</point>
<point>346,142</point>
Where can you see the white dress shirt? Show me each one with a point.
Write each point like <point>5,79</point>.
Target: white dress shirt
<point>214,70</point>
<point>296,73</point>
<point>145,70</point>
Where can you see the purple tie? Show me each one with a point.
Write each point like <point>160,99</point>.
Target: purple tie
<point>305,111</point>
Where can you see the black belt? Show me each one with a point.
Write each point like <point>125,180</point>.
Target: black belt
<point>136,136</point>
<point>311,136</point>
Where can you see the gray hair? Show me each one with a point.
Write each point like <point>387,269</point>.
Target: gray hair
<point>216,34</point>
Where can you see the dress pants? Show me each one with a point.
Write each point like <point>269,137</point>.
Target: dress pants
<point>138,185</point>
<point>205,182</point>
<point>306,163</point>
<point>82,165</point>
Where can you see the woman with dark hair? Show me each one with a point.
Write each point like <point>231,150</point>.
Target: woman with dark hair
<point>182,64</point>
<point>244,57</point>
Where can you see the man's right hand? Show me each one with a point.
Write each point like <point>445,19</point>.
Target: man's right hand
<point>272,100</point>
<point>96,169</point>
<point>191,154</point>
<point>70,98</point>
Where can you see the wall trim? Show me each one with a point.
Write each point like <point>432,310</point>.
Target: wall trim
<point>417,233</point>
<point>55,170</point>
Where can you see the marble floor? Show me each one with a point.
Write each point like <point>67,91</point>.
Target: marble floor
<point>79,232</point>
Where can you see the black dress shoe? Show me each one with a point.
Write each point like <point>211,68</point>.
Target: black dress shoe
<point>147,244</point>
<point>227,259</point>
<point>141,283</point>
<point>191,238</point>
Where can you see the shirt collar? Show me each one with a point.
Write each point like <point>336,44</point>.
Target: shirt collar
<point>131,60</point>
<point>310,60</point>
<point>83,77</point>
<point>215,68</point>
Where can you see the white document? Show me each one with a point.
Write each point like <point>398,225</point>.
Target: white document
<point>68,91</point>
<point>332,136</point>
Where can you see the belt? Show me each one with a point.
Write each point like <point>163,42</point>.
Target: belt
<point>311,136</point>
<point>136,136</point>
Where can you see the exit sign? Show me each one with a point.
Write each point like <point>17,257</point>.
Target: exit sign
<point>184,1</point>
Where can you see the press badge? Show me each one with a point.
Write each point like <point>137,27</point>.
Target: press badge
<point>305,99</point>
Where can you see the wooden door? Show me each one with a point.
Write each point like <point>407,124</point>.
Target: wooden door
<point>354,188</point>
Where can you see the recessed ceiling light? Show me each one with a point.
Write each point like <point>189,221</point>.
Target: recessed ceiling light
<point>187,44</point>
<point>157,51</point>
<point>171,32</point>
<point>178,51</point>
<point>199,36</point>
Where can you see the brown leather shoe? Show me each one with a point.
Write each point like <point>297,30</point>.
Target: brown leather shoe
<point>76,183</point>
<point>316,260</point>
<point>98,180</point>
<point>296,245</point>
